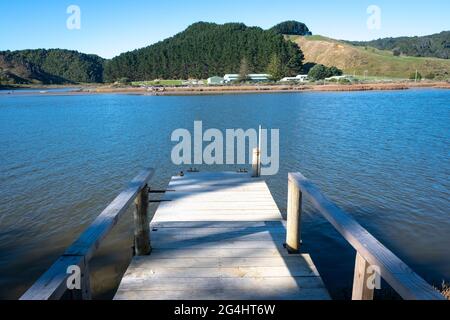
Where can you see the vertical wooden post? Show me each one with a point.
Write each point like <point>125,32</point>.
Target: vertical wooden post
<point>85,292</point>
<point>294,208</point>
<point>142,245</point>
<point>85,283</point>
<point>256,163</point>
<point>361,290</point>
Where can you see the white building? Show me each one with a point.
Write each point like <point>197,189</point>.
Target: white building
<point>255,77</point>
<point>259,77</point>
<point>230,78</point>
<point>299,78</point>
<point>215,80</point>
<point>336,78</point>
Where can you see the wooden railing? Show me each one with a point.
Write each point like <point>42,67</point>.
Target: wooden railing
<point>52,285</point>
<point>371,254</point>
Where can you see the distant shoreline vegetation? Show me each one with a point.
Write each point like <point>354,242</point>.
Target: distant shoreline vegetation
<point>204,50</point>
<point>434,46</point>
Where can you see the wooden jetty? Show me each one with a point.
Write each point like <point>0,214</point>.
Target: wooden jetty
<point>221,236</point>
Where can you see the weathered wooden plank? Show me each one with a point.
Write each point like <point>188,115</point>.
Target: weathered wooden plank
<point>90,240</point>
<point>235,185</point>
<point>158,237</point>
<point>162,253</point>
<point>401,278</point>
<point>210,175</point>
<point>267,225</point>
<point>216,182</point>
<point>216,218</point>
<point>361,290</point>
<point>220,244</point>
<point>217,210</point>
<point>210,262</point>
<point>202,206</point>
<point>205,179</point>
<point>239,294</point>
<point>220,272</point>
<point>256,283</point>
<point>214,189</point>
<point>52,284</point>
<point>201,232</point>
<point>217,197</point>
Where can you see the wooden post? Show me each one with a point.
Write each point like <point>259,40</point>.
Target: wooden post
<point>85,292</point>
<point>142,245</point>
<point>294,208</point>
<point>361,290</point>
<point>256,163</point>
<point>85,283</point>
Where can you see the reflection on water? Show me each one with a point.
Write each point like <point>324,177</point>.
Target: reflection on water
<point>382,156</point>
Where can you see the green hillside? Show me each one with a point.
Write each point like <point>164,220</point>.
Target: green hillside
<point>53,66</point>
<point>435,45</point>
<point>367,60</point>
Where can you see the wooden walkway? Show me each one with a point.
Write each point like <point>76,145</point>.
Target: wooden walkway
<point>220,236</point>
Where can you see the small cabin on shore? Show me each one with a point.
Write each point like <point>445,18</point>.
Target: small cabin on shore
<point>215,80</point>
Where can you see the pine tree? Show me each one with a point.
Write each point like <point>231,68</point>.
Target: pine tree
<point>244,70</point>
<point>275,68</point>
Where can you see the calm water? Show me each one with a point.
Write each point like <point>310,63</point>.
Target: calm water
<point>21,91</point>
<point>382,156</point>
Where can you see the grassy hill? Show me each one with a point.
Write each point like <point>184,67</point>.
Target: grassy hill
<point>355,59</point>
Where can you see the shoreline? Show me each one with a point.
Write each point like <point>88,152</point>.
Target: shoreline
<point>220,90</point>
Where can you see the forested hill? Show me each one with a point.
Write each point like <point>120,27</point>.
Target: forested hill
<point>292,28</point>
<point>204,50</point>
<point>435,45</point>
<point>54,66</point>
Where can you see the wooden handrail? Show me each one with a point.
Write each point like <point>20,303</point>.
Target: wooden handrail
<point>370,252</point>
<point>52,285</point>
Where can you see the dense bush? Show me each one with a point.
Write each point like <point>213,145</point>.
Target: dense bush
<point>204,50</point>
<point>413,76</point>
<point>55,65</point>
<point>320,72</point>
<point>292,28</point>
<point>436,45</point>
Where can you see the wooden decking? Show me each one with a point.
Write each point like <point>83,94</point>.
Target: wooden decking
<point>220,236</point>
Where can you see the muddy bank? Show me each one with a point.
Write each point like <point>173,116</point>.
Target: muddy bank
<point>233,89</point>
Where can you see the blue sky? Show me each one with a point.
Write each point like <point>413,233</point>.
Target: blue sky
<point>111,27</point>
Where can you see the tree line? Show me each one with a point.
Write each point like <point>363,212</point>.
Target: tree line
<point>208,49</point>
<point>435,45</point>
